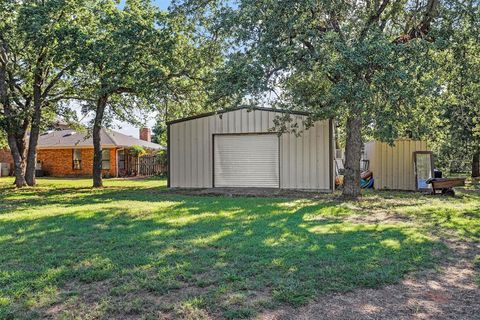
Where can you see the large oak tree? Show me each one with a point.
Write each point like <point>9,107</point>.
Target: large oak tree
<point>50,34</point>
<point>14,108</point>
<point>361,62</point>
<point>458,137</point>
<point>135,55</point>
<point>38,39</point>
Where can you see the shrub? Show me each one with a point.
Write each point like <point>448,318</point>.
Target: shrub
<point>161,156</point>
<point>137,151</point>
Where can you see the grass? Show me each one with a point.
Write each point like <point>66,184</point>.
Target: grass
<point>132,249</point>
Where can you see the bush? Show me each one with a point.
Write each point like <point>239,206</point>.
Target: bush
<point>137,151</point>
<point>161,156</point>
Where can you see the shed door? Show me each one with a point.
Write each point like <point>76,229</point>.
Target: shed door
<point>423,164</point>
<point>250,160</point>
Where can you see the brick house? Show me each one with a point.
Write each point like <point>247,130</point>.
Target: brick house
<point>6,162</point>
<point>5,156</point>
<point>68,153</point>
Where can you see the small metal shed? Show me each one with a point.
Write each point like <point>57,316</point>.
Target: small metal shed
<point>404,166</point>
<point>240,148</point>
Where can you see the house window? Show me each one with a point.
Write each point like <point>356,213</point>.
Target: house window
<point>106,159</point>
<point>77,159</point>
<point>121,159</point>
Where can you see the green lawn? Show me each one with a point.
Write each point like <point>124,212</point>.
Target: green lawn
<point>134,250</point>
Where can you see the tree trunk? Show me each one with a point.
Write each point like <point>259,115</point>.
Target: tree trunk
<point>3,85</point>
<point>18,162</point>
<point>476,165</point>
<point>34,131</point>
<point>20,134</point>
<point>353,153</point>
<point>97,146</point>
<point>15,132</point>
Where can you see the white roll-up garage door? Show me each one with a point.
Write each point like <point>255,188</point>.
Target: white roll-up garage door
<point>250,160</point>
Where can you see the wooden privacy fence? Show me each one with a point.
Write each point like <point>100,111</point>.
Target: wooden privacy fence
<point>147,165</point>
<point>150,166</point>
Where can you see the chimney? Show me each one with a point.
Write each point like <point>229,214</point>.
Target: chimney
<point>145,134</point>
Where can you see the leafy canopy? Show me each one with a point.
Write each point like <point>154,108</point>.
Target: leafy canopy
<point>330,57</point>
<point>458,124</point>
<point>143,58</point>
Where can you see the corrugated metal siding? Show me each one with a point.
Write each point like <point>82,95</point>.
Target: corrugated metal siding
<point>392,167</point>
<point>369,154</point>
<point>304,160</point>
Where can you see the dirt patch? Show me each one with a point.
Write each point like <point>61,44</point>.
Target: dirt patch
<point>87,293</point>
<point>378,217</point>
<point>254,192</point>
<point>96,300</point>
<point>450,292</point>
<point>447,293</point>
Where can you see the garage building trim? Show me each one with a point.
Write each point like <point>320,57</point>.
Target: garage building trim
<point>207,114</point>
<point>305,161</point>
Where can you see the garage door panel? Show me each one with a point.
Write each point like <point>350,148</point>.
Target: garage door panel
<point>246,160</point>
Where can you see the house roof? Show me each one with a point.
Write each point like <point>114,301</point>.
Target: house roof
<point>302,113</point>
<point>109,138</point>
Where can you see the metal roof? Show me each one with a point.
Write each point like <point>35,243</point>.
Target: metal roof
<point>302,113</point>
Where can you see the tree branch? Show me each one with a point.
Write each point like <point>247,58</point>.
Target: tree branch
<point>421,29</point>
<point>67,97</point>
<point>374,18</point>
<point>54,81</point>
<point>124,90</point>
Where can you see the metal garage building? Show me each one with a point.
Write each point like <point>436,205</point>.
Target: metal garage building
<point>404,166</point>
<point>238,148</point>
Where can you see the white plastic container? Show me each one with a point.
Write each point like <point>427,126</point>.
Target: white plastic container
<point>4,169</point>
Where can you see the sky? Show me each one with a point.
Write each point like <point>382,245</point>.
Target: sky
<point>162,3</point>
<point>125,127</point>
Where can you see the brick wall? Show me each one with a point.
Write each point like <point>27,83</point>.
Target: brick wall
<point>145,134</point>
<point>6,156</point>
<point>59,162</point>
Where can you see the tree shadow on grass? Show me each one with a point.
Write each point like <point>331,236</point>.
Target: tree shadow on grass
<point>233,257</point>
<point>464,222</point>
<point>74,196</point>
<point>22,200</point>
<point>25,199</point>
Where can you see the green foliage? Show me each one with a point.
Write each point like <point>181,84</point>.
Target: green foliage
<point>3,140</point>
<point>137,151</point>
<point>366,64</point>
<point>187,89</point>
<point>161,156</point>
<point>332,58</point>
<point>159,132</point>
<point>141,58</point>
<point>114,57</point>
<point>458,128</point>
<point>41,38</point>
